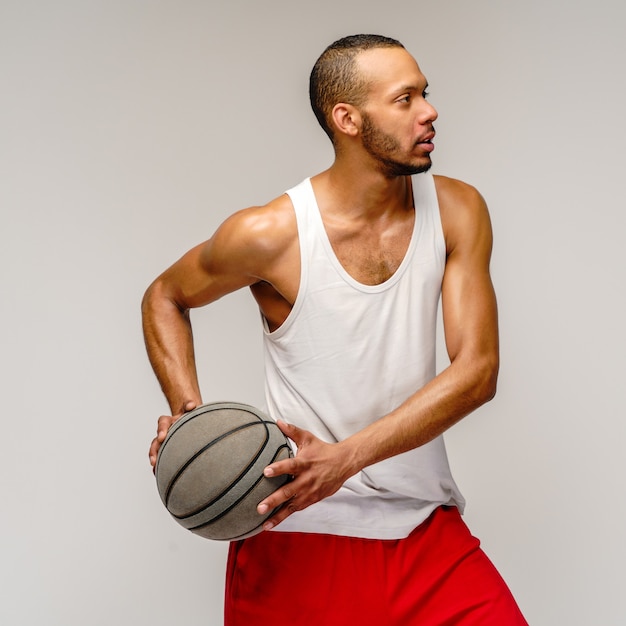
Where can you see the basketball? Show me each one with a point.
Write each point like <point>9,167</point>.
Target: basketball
<point>209,469</point>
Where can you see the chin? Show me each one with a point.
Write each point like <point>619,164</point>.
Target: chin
<point>424,167</point>
<point>393,169</point>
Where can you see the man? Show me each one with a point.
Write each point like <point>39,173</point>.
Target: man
<point>347,269</point>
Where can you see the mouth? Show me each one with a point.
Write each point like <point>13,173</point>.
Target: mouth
<point>427,138</point>
<point>426,142</point>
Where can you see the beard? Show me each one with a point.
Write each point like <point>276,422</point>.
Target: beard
<point>382,147</point>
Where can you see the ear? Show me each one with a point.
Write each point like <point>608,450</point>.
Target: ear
<point>347,119</point>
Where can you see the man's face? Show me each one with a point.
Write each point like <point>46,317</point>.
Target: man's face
<point>387,151</point>
<point>396,120</point>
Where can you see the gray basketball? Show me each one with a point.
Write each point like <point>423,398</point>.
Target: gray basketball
<point>209,470</point>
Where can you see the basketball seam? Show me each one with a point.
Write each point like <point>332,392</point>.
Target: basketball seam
<point>199,412</point>
<point>182,469</point>
<point>198,517</point>
<point>234,504</point>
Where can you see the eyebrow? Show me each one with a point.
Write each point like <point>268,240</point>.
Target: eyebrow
<point>404,88</point>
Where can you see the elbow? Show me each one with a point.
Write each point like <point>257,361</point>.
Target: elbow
<point>156,294</point>
<point>486,379</point>
<point>480,379</point>
<point>155,300</point>
<point>159,303</point>
<point>147,302</point>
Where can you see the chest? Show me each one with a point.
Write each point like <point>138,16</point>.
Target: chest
<point>371,255</point>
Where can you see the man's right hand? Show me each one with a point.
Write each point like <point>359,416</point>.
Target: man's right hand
<point>163,426</point>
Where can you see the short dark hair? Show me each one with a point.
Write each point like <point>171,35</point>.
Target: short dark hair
<point>334,77</point>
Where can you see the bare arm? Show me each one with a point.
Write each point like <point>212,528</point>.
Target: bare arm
<point>242,252</point>
<point>471,333</point>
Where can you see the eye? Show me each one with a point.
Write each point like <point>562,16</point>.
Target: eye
<point>425,93</point>
<point>405,99</point>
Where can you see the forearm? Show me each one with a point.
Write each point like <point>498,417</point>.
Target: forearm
<point>471,332</point>
<point>450,396</point>
<point>320,468</point>
<point>169,343</point>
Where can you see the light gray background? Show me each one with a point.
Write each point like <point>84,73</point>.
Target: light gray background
<point>130,129</point>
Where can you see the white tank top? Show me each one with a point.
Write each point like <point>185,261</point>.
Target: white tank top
<point>350,353</point>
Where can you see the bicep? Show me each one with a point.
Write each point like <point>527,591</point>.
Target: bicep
<point>469,311</point>
<point>468,298</point>
<point>210,270</point>
<point>193,281</point>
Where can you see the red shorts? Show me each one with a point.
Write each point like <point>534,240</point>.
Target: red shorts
<point>438,576</point>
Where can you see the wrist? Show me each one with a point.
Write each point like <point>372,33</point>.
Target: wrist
<point>184,404</point>
<point>350,453</point>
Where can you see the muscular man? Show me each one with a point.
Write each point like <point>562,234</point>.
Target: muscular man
<point>347,269</point>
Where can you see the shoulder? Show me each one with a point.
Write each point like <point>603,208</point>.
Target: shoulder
<point>456,196</point>
<point>464,214</point>
<point>253,237</point>
<point>261,226</point>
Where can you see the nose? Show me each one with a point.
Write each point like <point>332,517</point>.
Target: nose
<point>427,113</point>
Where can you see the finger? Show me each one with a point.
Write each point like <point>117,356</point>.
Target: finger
<point>288,508</point>
<point>153,452</point>
<point>290,430</point>
<point>285,498</point>
<point>280,496</point>
<point>282,468</point>
<point>163,426</point>
<point>164,423</point>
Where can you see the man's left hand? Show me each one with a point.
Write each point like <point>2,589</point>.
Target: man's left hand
<point>318,469</point>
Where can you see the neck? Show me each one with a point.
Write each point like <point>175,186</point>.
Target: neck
<point>356,191</point>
